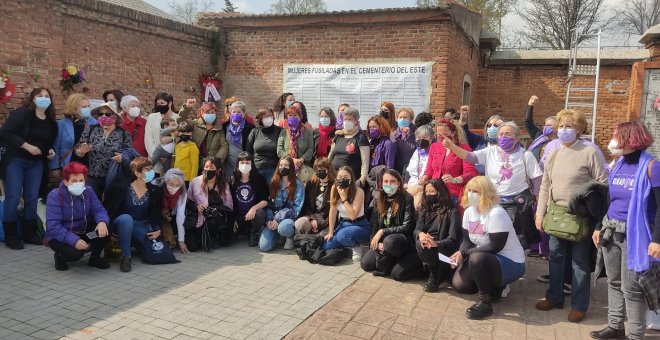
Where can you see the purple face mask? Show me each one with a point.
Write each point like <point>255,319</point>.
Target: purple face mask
<point>506,143</point>
<point>374,132</point>
<point>237,118</point>
<point>547,130</point>
<point>293,121</point>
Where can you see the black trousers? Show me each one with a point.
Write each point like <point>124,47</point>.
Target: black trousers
<point>398,259</point>
<point>71,254</point>
<point>253,226</point>
<point>429,257</point>
<point>480,272</point>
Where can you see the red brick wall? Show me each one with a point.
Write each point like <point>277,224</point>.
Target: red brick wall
<point>117,47</point>
<point>506,90</point>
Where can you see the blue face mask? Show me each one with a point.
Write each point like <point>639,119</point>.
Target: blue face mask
<point>149,176</point>
<point>42,102</point>
<point>492,132</point>
<point>85,112</point>
<point>324,121</point>
<point>76,189</point>
<point>403,123</point>
<point>209,118</point>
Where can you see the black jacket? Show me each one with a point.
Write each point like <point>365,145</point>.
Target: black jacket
<point>590,200</point>
<point>259,187</point>
<point>116,193</point>
<point>13,134</point>
<point>246,133</point>
<point>446,229</point>
<point>401,223</point>
<point>312,190</point>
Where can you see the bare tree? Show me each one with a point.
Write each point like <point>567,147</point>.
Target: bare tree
<point>492,11</point>
<point>187,10</point>
<point>637,16</point>
<point>229,7</point>
<point>298,6</point>
<point>551,22</point>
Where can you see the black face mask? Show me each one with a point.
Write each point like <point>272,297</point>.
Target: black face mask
<point>385,114</point>
<point>322,173</point>
<point>431,200</point>
<point>343,182</point>
<point>423,143</point>
<point>210,174</point>
<point>162,108</point>
<point>284,172</point>
<point>185,138</point>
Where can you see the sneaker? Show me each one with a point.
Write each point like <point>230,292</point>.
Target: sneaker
<point>288,244</point>
<point>505,291</point>
<point>543,278</point>
<point>567,289</point>
<point>357,253</point>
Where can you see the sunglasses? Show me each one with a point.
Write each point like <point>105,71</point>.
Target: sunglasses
<point>107,114</point>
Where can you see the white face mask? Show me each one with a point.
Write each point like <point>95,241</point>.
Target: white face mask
<point>134,112</point>
<point>169,147</point>
<point>614,148</point>
<point>245,168</point>
<point>349,125</point>
<point>172,190</point>
<point>473,199</point>
<point>268,122</point>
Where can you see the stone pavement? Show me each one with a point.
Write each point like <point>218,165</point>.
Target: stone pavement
<point>380,308</point>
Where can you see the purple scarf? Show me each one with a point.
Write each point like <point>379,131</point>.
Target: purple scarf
<point>236,132</point>
<point>378,153</point>
<point>294,135</point>
<point>540,140</point>
<point>340,121</point>
<point>638,232</point>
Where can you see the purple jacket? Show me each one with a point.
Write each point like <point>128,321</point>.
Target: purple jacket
<point>63,221</point>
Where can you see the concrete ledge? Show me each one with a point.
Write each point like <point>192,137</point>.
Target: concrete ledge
<point>560,57</point>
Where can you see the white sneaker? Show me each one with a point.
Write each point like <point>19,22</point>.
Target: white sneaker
<point>288,244</point>
<point>357,253</point>
<point>506,291</point>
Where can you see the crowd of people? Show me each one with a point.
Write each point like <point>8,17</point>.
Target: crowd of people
<point>408,195</point>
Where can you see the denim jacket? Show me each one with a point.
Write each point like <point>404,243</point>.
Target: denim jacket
<point>280,208</point>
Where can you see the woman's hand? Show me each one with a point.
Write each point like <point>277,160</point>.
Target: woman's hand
<point>183,247</point>
<point>343,193</point>
<point>539,222</point>
<point>595,237</point>
<point>117,157</point>
<point>381,247</point>
<point>102,229</point>
<point>190,103</point>
<point>84,148</point>
<point>201,208</point>
<point>298,162</point>
<point>153,235</point>
<point>447,143</point>
<point>250,214</point>
<point>423,180</point>
<point>457,258</point>
<point>51,154</point>
<point>654,250</point>
<point>315,225</point>
<point>272,225</point>
<point>376,239</point>
<point>81,245</point>
<point>328,237</point>
<point>33,150</point>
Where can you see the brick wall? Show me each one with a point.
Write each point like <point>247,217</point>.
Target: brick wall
<point>117,47</point>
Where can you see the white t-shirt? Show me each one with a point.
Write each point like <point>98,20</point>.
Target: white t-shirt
<point>508,172</point>
<point>494,221</point>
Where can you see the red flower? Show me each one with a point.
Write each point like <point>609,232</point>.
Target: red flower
<point>350,147</point>
<point>65,74</point>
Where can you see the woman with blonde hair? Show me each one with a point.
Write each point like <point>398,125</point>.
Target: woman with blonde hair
<point>77,115</point>
<point>490,255</point>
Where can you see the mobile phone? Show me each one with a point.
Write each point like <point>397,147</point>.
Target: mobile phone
<point>92,235</point>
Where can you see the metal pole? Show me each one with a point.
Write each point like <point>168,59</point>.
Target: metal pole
<point>595,108</point>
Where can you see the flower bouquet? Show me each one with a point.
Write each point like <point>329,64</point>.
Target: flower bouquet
<point>7,89</point>
<point>210,82</point>
<point>71,76</point>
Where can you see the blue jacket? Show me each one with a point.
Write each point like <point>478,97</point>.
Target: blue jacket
<point>65,141</point>
<point>280,208</point>
<point>66,214</point>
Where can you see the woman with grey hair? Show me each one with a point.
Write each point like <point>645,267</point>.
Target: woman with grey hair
<point>351,148</point>
<point>237,129</point>
<point>417,164</point>
<point>325,133</point>
<point>174,206</point>
<point>133,123</point>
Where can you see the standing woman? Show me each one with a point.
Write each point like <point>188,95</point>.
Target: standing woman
<point>574,164</point>
<point>316,208</point>
<point>392,225</point>
<point>238,129</point>
<point>352,148</point>
<point>383,150</point>
<point>418,161</point>
<point>208,133</point>
<point>540,137</point>
<point>77,116</point>
<point>104,143</point>
<point>28,134</point>
<point>325,133</point>
<point>249,191</point>
<point>303,115</point>
<point>340,116</point>
<point>282,103</point>
<point>387,112</point>
<point>163,108</point>
<point>404,138</point>
<point>133,123</point>
<point>297,142</point>
<point>630,236</point>
<point>115,96</point>
<point>287,194</point>
<point>262,143</point>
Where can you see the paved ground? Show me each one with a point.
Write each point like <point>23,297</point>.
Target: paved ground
<point>239,293</point>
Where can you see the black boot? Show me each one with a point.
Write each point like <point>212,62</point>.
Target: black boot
<point>384,265</point>
<point>609,333</point>
<point>60,264</point>
<point>98,262</point>
<point>11,237</point>
<point>481,309</point>
<point>253,239</point>
<point>30,233</point>
<point>125,264</point>
<point>432,283</point>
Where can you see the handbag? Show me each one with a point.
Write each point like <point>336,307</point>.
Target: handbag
<point>649,281</point>
<point>559,223</point>
<point>157,252</point>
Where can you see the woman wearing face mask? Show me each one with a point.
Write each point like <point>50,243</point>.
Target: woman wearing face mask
<point>262,143</point>
<point>250,193</point>
<point>387,112</point>
<point>540,137</point>
<point>113,96</point>
<point>163,108</point>
<point>392,223</point>
<point>174,206</point>
<point>211,194</point>
<point>297,141</point>
<point>351,148</point>
<point>438,231</point>
<point>418,162</point>
<point>316,208</point>
<point>630,237</point>
<point>446,165</point>
<point>325,133</point>
<point>303,115</point>
<point>73,210</point>
<point>282,103</point>
<point>102,144</point>
<point>490,255</point>
<point>237,130</point>
<point>208,133</point>
<point>404,137</point>
<point>347,205</point>
<point>340,116</point>
<point>135,207</point>
<point>28,134</point>
<point>286,197</point>
<point>574,164</point>
<point>133,123</point>
<point>383,150</point>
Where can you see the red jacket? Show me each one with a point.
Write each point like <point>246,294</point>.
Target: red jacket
<point>439,164</point>
<point>136,130</point>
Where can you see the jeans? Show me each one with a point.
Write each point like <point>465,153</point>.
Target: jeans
<point>268,238</point>
<point>22,178</point>
<point>349,234</point>
<point>511,271</point>
<point>267,173</point>
<point>581,279</point>
<point>127,229</point>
